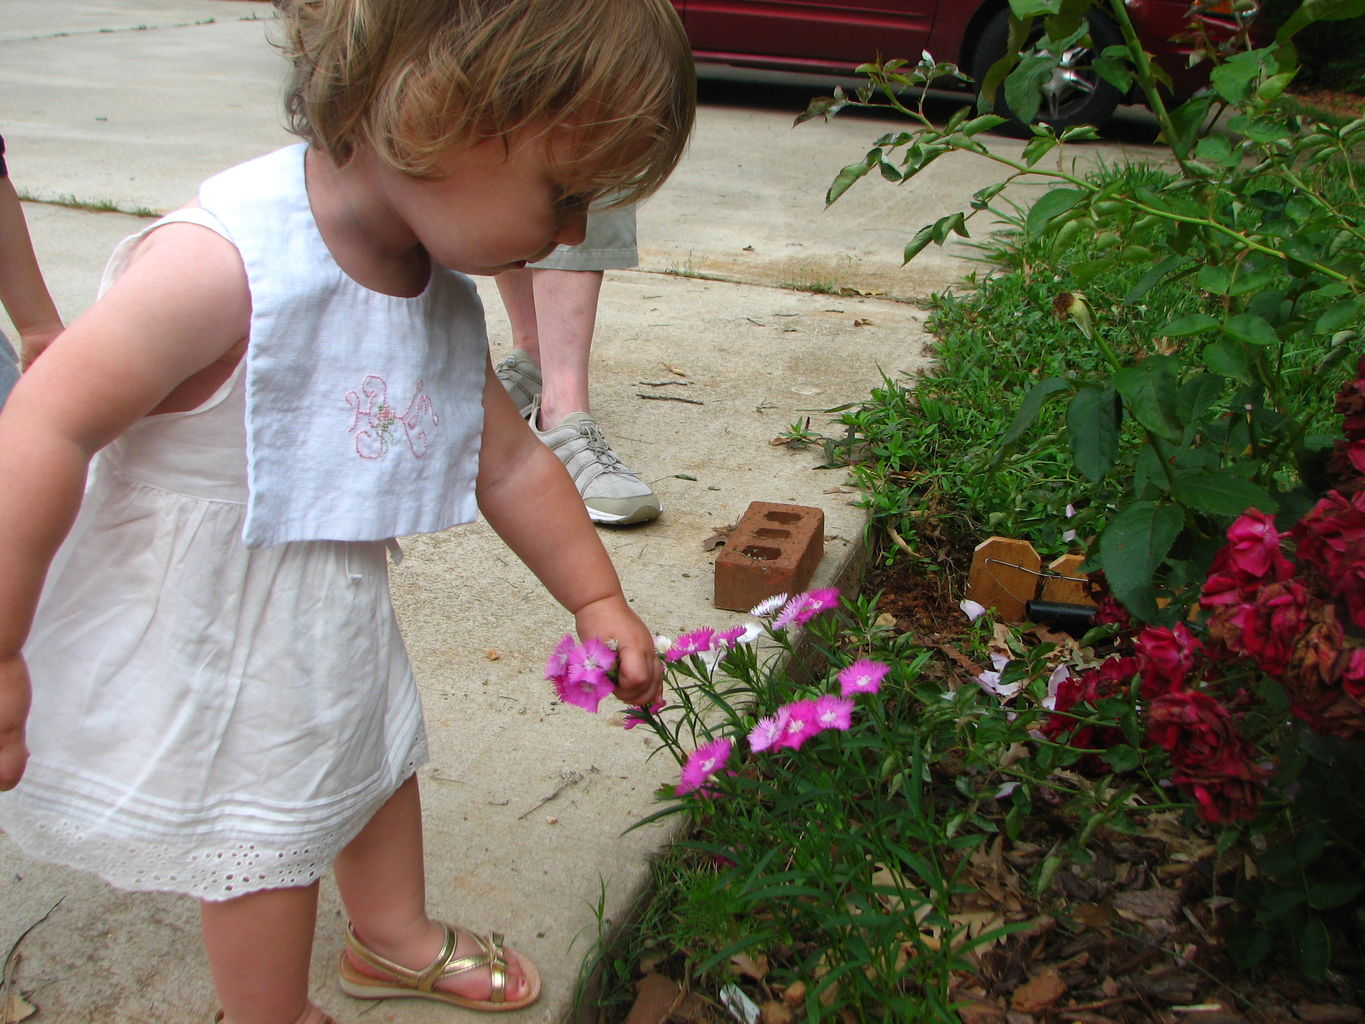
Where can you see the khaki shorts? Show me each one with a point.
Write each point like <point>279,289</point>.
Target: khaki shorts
<point>609,245</point>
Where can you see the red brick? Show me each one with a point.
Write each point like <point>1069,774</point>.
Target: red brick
<point>774,549</point>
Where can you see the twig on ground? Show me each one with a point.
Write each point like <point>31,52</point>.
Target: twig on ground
<point>669,398</point>
<point>8,971</point>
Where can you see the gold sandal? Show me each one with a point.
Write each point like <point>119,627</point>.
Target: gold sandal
<point>405,983</point>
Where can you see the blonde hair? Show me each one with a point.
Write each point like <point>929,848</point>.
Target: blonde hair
<point>412,79</point>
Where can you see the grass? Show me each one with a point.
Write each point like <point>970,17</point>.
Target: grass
<point>72,202</point>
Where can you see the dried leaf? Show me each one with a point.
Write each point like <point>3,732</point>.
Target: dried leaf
<point>1093,915</point>
<point>981,1013</point>
<point>716,540</point>
<point>1328,1013</point>
<point>16,1008</point>
<point>1039,992</point>
<point>751,967</point>
<point>1148,904</point>
<point>773,1012</point>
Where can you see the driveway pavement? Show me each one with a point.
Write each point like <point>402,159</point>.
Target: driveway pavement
<point>128,104</point>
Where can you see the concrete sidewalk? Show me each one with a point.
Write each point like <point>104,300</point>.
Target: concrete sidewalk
<point>130,104</point>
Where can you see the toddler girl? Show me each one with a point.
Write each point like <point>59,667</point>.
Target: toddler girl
<point>278,379</point>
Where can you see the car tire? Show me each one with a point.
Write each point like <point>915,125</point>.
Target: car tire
<point>1076,94</point>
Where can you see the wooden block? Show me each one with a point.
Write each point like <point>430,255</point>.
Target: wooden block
<point>1070,590</point>
<point>774,550</point>
<point>1004,576</point>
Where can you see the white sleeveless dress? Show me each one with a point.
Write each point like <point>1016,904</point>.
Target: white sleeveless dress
<point>208,718</point>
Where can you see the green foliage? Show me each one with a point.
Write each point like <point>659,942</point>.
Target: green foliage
<point>1181,420</point>
<point>1332,53</point>
<point>843,862</point>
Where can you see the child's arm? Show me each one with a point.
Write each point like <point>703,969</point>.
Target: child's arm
<point>529,499</point>
<point>23,292</point>
<point>181,305</point>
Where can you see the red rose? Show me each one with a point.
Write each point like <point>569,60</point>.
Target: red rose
<point>1266,629</point>
<point>1210,759</point>
<point>1110,679</point>
<point>1325,680</point>
<point>1197,731</point>
<point>1165,658</point>
<point>1351,404</point>
<point>1222,801</point>
<point>1107,608</point>
<point>1331,538</point>
<point>1253,547</point>
<point>1250,558</point>
<point>1353,675</point>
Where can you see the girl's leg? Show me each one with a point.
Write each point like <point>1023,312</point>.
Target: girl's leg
<point>382,878</point>
<point>259,947</point>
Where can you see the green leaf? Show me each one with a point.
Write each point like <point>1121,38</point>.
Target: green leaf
<point>1249,946</point>
<point>1313,947</point>
<point>1148,281</point>
<point>1227,360</point>
<point>1149,389</point>
<point>1196,395</point>
<point>1028,409</point>
<point>1326,893</point>
<point>916,245</point>
<point>1023,85</point>
<point>1221,493</point>
<point>1092,425</point>
<point>846,177</point>
<point>1278,901</point>
<point>1252,329</point>
<point>1034,8</point>
<point>1214,279</point>
<point>1122,758</point>
<point>1319,10</point>
<point>1133,546</point>
<point>1038,147</point>
<point>1050,205</point>
<point>1274,86</point>
<point>1216,149</point>
<point>1232,80</point>
<point>1335,317</point>
<point>1195,323</point>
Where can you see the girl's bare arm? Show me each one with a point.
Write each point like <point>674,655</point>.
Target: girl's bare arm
<point>181,306</point>
<point>529,499</point>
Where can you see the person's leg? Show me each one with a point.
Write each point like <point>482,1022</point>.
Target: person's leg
<point>382,878</point>
<point>259,947</point>
<point>519,299</point>
<point>519,371</point>
<point>566,314</point>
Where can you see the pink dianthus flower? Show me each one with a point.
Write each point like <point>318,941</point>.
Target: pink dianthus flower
<point>704,763</point>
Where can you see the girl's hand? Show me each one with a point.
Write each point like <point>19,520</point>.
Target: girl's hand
<point>14,703</point>
<point>640,674</point>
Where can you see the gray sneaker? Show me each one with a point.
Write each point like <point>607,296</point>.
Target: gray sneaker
<point>614,495</point>
<point>521,378</point>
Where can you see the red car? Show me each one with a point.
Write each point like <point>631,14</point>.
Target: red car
<point>835,36</point>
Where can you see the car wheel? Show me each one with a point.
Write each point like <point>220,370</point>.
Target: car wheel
<point>1075,94</point>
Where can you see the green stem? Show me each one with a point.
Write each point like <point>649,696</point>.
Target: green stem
<point>1147,81</point>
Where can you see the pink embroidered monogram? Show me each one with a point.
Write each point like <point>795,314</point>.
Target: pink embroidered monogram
<point>374,422</point>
